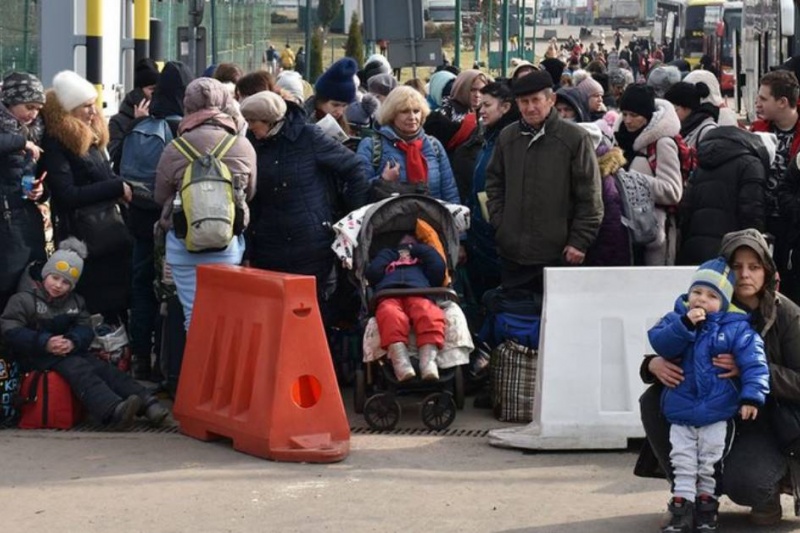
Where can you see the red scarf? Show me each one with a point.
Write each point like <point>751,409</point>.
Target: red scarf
<point>468,125</point>
<point>416,164</point>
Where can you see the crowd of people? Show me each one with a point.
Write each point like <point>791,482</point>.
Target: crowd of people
<point>536,157</point>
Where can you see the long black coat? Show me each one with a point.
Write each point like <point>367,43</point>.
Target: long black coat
<point>306,181</point>
<point>726,192</point>
<point>79,175</point>
<point>21,223</point>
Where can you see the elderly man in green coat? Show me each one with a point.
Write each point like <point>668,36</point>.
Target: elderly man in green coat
<point>543,188</point>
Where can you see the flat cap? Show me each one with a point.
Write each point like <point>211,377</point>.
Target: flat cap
<point>534,82</point>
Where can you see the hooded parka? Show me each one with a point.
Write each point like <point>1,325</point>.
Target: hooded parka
<point>666,181</point>
<point>725,193</point>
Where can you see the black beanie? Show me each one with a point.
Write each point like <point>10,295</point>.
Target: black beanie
<point>555,67</point>
<point>639,99</point>
<point>373,68</point>
<point>687,95</point>
<point>145,73</point>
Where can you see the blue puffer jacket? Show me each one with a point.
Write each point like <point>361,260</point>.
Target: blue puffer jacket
<point>306,182</point>
<point>429,272</point>
<point>441,182</point>
<point>703,398</point>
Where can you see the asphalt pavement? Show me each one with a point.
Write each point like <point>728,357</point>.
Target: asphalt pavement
<point>86,481</point>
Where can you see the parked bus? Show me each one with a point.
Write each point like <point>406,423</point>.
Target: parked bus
<point>694,28</point>
<point>688,27</point>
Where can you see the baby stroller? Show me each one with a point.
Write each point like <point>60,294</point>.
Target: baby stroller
<point>382,225</point>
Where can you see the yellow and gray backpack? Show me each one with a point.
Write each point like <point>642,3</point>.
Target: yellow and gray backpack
<point>205,213</point>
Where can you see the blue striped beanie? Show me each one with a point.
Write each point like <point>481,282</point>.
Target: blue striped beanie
<point>718,276</point>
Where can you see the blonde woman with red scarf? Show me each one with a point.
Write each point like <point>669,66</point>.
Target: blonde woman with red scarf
<point>406,154</point>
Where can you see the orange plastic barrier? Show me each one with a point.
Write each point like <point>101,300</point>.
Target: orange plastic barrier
<point>257,369</point>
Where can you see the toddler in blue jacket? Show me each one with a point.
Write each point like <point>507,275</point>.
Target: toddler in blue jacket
<point>703,325</point>
<point>412,265</point>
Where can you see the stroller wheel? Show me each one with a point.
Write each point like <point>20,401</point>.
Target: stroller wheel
<point>382,412</point>
<point>359,391</point>
<point>438,410</point>
<point>458,387</point>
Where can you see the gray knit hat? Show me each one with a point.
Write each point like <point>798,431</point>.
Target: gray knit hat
<point>662,78</point>
<point>265,106</point>
<point>381,84</point>
<point>67,262</point>
<point>22,88</point>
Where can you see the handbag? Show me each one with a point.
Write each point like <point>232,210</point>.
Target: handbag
<point>111,344</point>
<point>102,227</point>
<point>513,371</point>
<point>9,388</point>
<point>784,417</point>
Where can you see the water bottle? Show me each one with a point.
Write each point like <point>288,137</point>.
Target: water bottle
<point>179,225</point>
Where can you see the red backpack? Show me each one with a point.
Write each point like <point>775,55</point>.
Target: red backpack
<point>686,154</point>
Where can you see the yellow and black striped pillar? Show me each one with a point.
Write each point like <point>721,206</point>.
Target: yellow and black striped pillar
<point>94,47</point>
<point>141,29</point>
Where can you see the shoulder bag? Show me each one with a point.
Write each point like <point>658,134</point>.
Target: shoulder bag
<point>102,227</point>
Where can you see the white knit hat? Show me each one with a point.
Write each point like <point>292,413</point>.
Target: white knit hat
<point>292,82</point>
<point>707,77</point>
<point>72,90</point>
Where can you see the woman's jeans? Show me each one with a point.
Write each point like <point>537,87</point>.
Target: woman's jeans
<point>184,267</point>
<point>754,467</point>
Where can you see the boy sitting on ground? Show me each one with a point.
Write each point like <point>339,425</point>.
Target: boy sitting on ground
<point>48,328</point>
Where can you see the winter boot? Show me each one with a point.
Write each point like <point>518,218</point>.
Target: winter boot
<point>681,516</point>
<point>427,362</point>
<point>401,363</point>
<point>123,414</point>
<point>154,411</point>
<point>705,511</point>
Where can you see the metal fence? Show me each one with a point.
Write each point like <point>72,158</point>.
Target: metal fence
<point>19,36</point>
<point>241,29</point>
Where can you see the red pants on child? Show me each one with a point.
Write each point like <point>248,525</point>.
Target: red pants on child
<point>396,315</point>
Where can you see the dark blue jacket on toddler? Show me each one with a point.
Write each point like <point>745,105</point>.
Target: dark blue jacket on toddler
<point>48,327</point>
<point>424,268</point>
<point>411,266</point>
<point>703,398</point>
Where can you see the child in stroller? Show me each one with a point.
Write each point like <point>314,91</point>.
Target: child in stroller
<point>412,265</point>
<point>362,237</point>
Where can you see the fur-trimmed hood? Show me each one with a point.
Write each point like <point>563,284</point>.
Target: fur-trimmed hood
<point>611,161</point>
<point>76,136</point>
<point>665,123</point>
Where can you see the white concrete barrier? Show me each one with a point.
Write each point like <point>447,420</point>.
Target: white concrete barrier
<point>594,335</point>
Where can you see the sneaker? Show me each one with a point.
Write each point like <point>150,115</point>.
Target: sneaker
<point>124,413</point>
<point>767,514</point>
<point>705,516</point>
<point>155,412</point>
<point>681,516</point>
